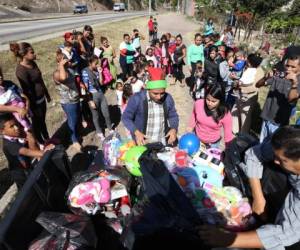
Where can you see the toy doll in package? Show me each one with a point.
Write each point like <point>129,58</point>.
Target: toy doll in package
<point>111,146</point>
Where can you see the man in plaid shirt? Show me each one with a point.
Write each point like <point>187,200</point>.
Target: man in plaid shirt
<point>151,116</point>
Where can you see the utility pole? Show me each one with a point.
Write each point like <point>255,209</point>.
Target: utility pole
<point>150,7</point>
<point>128,5</point>
<point>178,6</point>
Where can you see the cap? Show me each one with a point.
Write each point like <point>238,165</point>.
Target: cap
<point>159,84</point>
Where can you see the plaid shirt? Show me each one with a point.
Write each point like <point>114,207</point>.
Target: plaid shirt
<point>155,131</point>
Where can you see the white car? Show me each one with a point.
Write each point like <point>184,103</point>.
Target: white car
<point>119,7</point>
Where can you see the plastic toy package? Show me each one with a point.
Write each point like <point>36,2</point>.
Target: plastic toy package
<point>97,192</point>
<point>111,146</point>
<point>202,182</point>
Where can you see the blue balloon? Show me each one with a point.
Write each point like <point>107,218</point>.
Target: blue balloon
<point>189,142</point>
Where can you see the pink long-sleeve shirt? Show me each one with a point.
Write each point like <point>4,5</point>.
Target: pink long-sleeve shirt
<point>206,128</point>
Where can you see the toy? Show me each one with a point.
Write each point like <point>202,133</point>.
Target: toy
<point>125,146</point>
<point>214,153</point>
<point>110,148</point>
<point>88,195</point>
<point>197,176</point>
<point>168,157</point>
<point>189,142</point>
<point>209,158</point>
<point>181,158</point>
<point>132,159</point>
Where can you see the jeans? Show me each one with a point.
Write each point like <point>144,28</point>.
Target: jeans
<point>101,107</point>
<point>127,70</point>
<point>72,112</point>
<point>267,129</point>
<point>39,126</point>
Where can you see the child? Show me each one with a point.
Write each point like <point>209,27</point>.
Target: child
<point>238,67</point>
<point>199,86</point>
<point>127,93</point>
<point>119,92</point>
<point>172,47</point>
<point>150,56</point>
<point>136,84</point>
<point>157,52</point>
<point>18,147</point>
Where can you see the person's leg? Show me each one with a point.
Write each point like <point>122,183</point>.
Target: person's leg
<point>130,69</point>
<point>36,125</point>
<point>95,113</point>
<point>124,71</point>
<point>72,112</point>
<point>44,129</point>
<point>105,112</point>
<point>180,72</point>
<point>247,110</point>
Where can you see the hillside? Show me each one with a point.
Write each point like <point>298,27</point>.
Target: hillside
<point>42,6</point>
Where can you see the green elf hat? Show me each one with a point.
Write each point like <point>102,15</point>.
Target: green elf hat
<point>158,84</point>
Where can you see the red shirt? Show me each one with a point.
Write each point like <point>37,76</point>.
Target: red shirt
<point>150,25</point>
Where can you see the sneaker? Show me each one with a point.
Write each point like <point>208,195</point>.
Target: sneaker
<point>77,146</point>
<point>84,124</point>
<point>101,136</point>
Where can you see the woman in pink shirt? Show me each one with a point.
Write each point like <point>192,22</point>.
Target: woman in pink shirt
<point>209,116</point>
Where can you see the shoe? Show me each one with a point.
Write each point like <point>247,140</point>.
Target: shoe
<point>101,136</point>
<point>77,146</point>
<point>84,124</point>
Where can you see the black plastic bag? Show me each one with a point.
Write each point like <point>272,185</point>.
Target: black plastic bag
<point>65,232</point>
<point>164,209</point>
<point>234,155</point>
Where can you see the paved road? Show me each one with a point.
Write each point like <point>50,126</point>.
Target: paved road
<point>15,31</point>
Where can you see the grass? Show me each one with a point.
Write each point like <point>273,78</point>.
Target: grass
<point>45,52</point>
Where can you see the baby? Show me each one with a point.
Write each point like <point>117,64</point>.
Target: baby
<point>12,97</point>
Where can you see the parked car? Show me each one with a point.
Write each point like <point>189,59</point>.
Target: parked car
<point>119,7</point>
<point>79,9</point>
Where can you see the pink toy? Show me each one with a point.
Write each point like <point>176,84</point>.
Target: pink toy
<point>88,195</point>
<point>106,75</point>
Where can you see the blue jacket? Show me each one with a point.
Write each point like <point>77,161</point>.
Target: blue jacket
<point>136,113</point>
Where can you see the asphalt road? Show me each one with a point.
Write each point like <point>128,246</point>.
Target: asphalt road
<point>15,31</point>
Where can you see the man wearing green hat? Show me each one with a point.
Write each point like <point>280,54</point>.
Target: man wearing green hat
<point>150,115</point>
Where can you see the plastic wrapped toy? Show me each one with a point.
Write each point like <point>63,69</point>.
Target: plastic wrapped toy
<point>168,157</point>
<point>89,195</point>
<point>124,147</point>
<point>111,146</point>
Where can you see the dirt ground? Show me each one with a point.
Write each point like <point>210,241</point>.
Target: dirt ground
<point>183,101</point>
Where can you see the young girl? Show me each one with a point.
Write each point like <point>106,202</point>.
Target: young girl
<point>158,52</point>
<point>210,116</point>
<point>92,78</point>
<point>119,92</point>
<point>150,56</point>
<point>127,93</point>
<point>199,84</point>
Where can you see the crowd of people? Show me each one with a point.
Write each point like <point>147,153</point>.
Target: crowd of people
<point>223,80</point>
